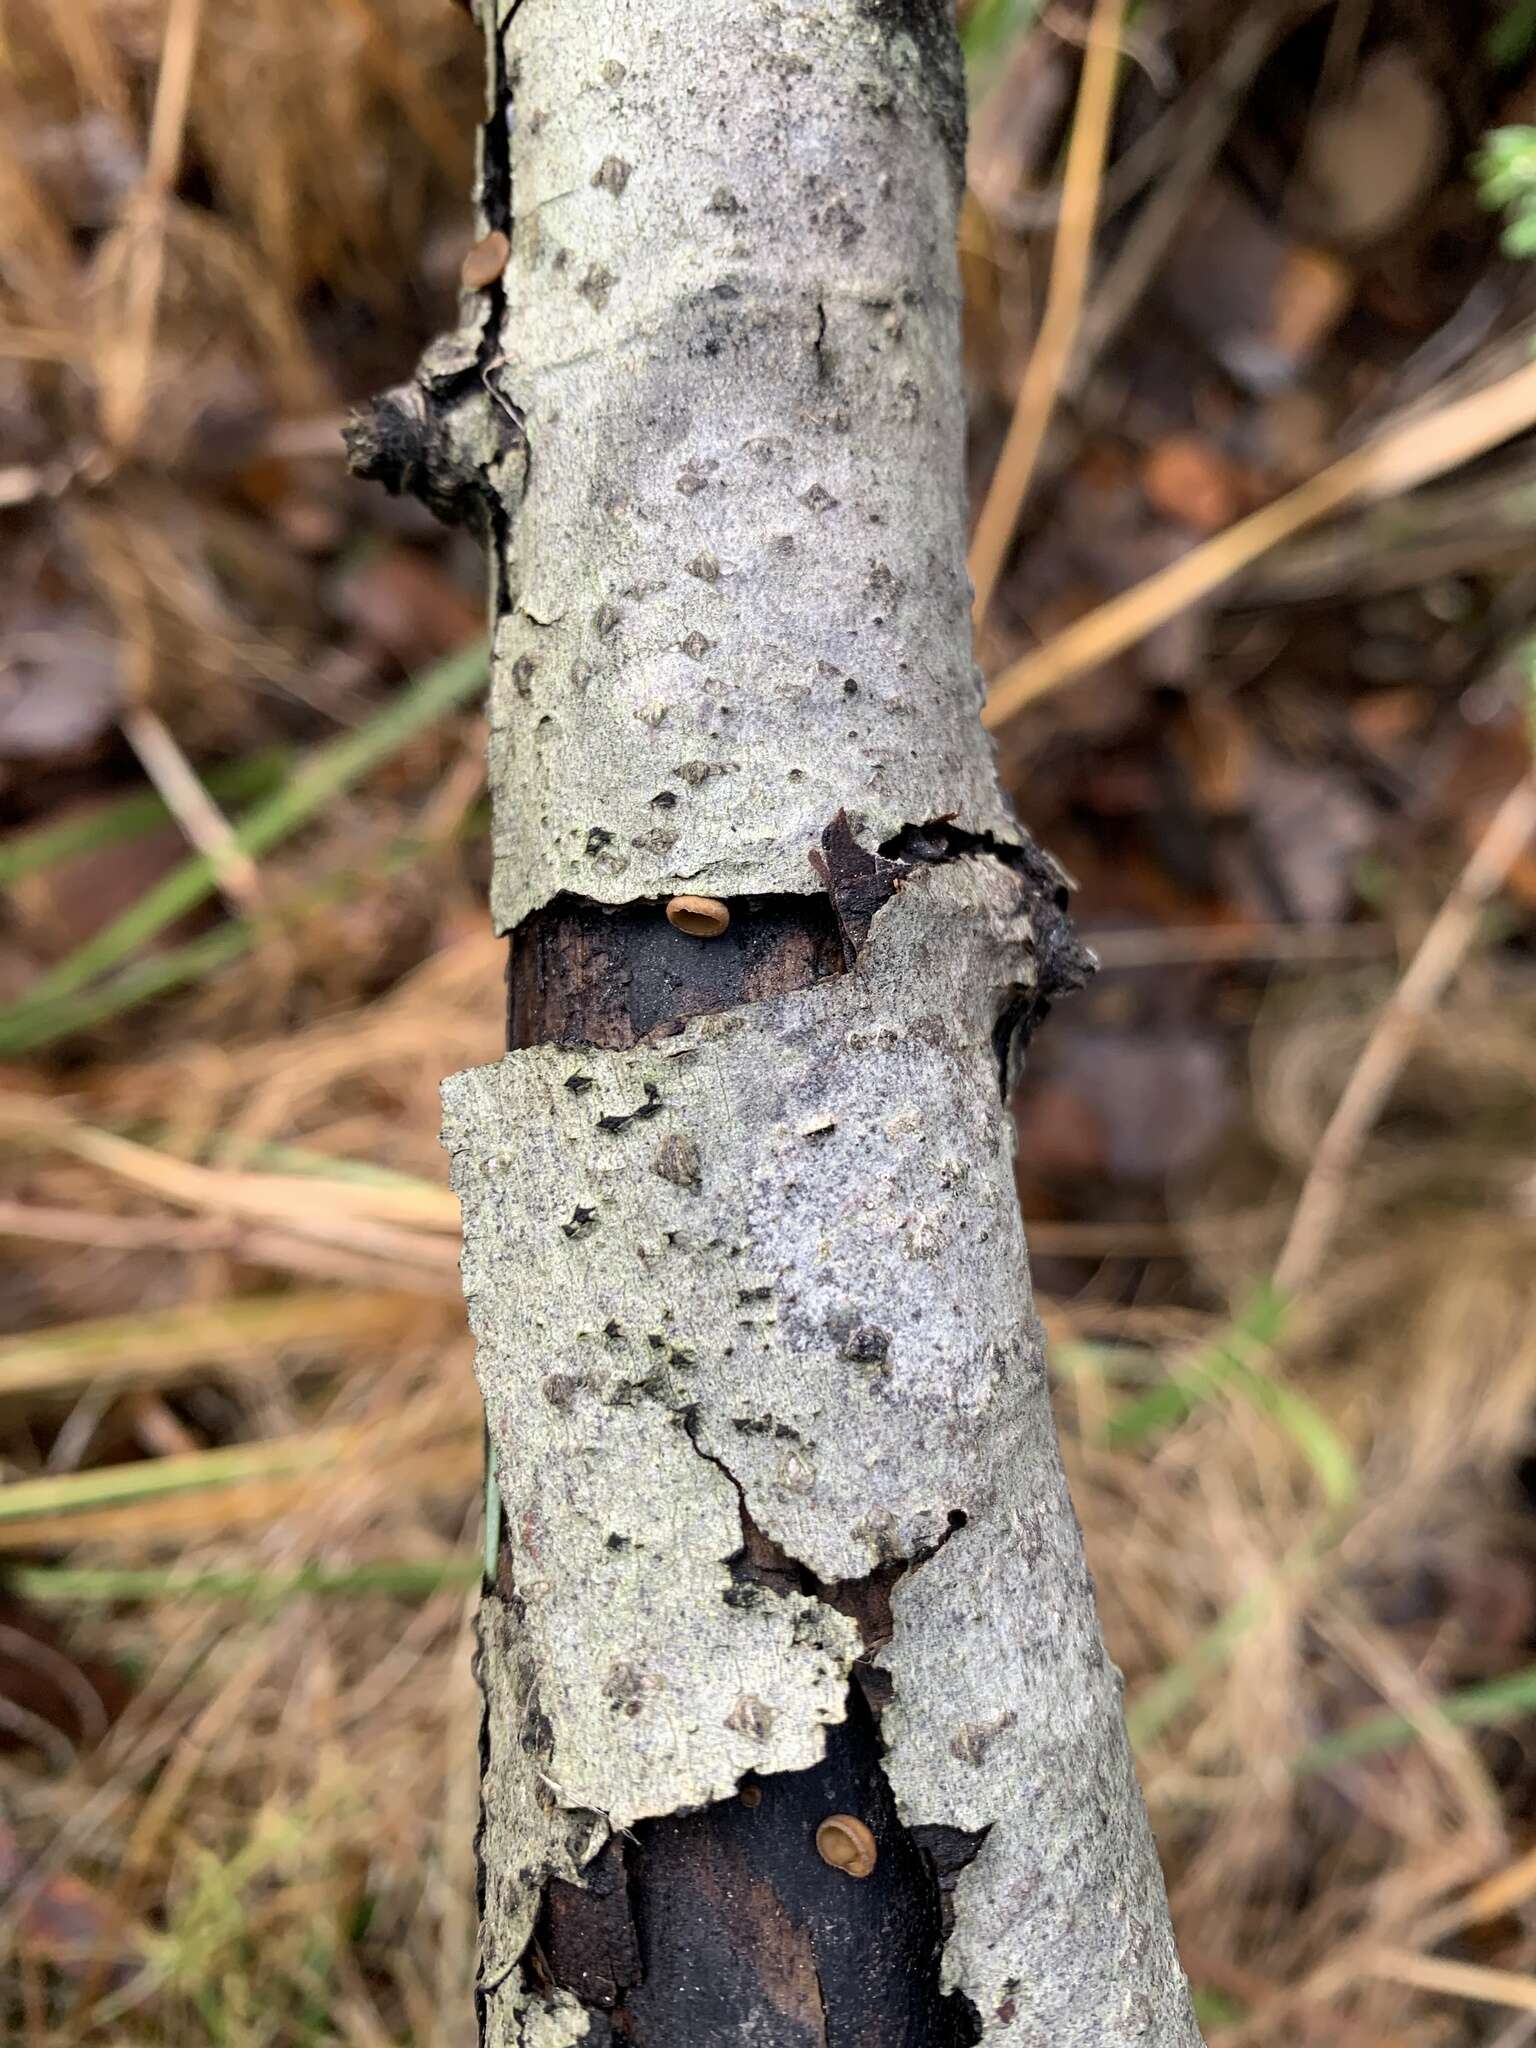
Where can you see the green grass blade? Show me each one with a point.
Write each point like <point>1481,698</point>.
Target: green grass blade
<point>1213,1367</point>
<point>87,1586</point>
<point>106,1486</point>
<point>1215,2008</point>
<point>1225,1366</point>
<point>160,1346</point>
<point>325,776</point>
<point>43,846</point>
<point>992,25</point>
<point>32,1025</point>
<point>306,1164</point>
<point>1308,1428</point>
<point>1511,39</point>
<point>1156,1704</point>
<point>1489,1705</point>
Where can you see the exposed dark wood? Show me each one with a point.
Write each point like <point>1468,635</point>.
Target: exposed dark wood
<point>582,973</point>
<point>586,1933</point>
<point>746,1934</point>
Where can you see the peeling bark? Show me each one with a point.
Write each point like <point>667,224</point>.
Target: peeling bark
<point>786,1531</point>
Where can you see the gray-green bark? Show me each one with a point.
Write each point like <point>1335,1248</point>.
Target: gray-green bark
<point>770,1261</point>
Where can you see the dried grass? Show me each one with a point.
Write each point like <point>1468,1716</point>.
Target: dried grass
<point>268,1838</point>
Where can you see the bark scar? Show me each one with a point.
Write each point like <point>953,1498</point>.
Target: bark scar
<point>858,883</point>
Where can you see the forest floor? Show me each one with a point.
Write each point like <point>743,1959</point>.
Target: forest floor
<point>1282,744</point>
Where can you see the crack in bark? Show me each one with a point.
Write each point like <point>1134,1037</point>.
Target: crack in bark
<point>495,197</point>
<point>886,1050</point>
<point>607,974</point>
<point>679,1870</point>
<point>817,345</point>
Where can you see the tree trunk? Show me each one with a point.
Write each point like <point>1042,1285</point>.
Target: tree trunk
<point>787,1539</point>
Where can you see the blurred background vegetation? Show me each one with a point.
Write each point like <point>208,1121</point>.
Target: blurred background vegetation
<point>243,866</point>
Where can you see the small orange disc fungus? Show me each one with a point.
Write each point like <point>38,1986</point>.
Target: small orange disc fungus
<point>485,261</point>
<point>701,917</point>
<point>846,1844</point>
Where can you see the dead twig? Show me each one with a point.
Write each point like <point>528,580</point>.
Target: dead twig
<point>1470,523</point>
<point>1398,460</point>
<point>1506,1891</point>
<point>1189,136</point>
<point>1441,952</point>
<point>125,395</point>
<point>1205,126</point>
<point>1034,213</point>
<point>1474,1981</point>
<point>1041,383</point>
<point>1304,946</point>
<point>203,824</point>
